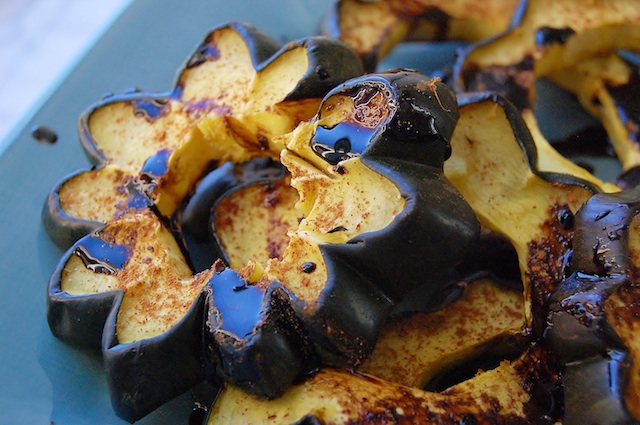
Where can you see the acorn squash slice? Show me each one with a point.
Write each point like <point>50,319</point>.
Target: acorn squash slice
<point>367,191</point>
<point>507,394</point>
<point>374,28</point>
<point>546,38</point>
<point>127,288</point>
<point>494,165</point>
<point>236,92</point>
<point>413,350</point>
<point>608,87</point>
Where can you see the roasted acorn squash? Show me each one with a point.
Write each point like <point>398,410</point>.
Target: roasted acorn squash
<point>363,177</point>
<point>493,164</point>
<point>236,92</point>
<point>590,323</point>
<point>374,28</point>
<point>376,141</point>
<point>314,228</point>
<point>416,349</point>
<point>149,152</point>
<point>549,38</point>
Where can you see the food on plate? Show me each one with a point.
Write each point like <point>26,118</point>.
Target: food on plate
<point>127,290</point>
<point>239,86</point>
<point>569,44</point>
<point>365,176</point>
<point>591,318</point>
<point>608,87</point>
<point>493,166</point>
<point>149,152</point>
<point>374,28</point>
<point>319,245</point>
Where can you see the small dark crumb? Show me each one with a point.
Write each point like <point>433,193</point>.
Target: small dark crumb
<point>308,267</point>
<point>44,134</point>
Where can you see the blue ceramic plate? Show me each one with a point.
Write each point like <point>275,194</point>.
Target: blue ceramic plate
<point>43,381</point>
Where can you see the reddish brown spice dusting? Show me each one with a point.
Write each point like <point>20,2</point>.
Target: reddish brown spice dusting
<point>546,261</point>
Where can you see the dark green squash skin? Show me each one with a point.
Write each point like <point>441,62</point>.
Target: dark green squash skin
<point>344,323</point>
<point>594,357</point>
<point>63,229</point>
<point>272,353</point>
<point>89,322</point>
<point>331,62</point>
<point>145,374</point>
<point>78,320</point>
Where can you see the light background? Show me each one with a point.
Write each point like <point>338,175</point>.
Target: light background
<point>40,42</point>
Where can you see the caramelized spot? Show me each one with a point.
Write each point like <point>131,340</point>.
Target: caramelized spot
<point>513,81</point>
<point>546,261</point>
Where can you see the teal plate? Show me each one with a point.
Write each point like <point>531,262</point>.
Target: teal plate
<point>42,380</point>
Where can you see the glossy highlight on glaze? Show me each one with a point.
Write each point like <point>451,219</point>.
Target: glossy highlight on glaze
<point>100,256</point>
<point>151,108</point>
<point>139,190</point>
<point>238,305</point>
<point>157,164</point>
<point>341,142</point>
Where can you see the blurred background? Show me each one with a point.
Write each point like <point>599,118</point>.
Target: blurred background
<point>40,42</point>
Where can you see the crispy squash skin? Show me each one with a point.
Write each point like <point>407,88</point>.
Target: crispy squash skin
<point>594,346</point>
